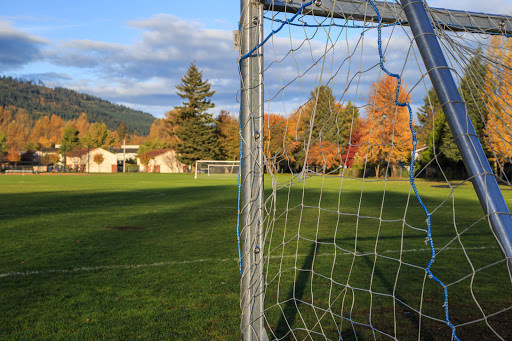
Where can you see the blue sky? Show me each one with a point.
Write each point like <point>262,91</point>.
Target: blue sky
<point>132,52</point>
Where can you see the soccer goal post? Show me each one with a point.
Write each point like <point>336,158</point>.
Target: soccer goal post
<point>216,167</point>
<point>337,99</point>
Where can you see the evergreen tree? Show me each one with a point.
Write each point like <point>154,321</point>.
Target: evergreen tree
<point>332,124</point>
<point>470,90</point>
<point>3,144</point>
<point>122,131</point>
<point>439,135</point>
<point>426,116</point>
<point>348,121</point>
<point>69,141</point>
<point>195,126</point>
<point>322,105</point>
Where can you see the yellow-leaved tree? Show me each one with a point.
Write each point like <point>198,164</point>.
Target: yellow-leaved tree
<point>499,101</point>
<point>385,134</point>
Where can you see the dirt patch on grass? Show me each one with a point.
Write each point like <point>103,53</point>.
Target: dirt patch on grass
<point>126,228</point>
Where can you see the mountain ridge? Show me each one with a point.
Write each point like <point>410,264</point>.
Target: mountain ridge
<point>39,100</point>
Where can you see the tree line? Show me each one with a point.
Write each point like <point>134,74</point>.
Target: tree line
<point>323,134</point>
<point>327,135</point>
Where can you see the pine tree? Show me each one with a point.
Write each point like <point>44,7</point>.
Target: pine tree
<point>122,131</point>
<point>323,109</point>
<point>470,90</point>
<point>436,133</point>
<point>3,144</point>
<point>441,143</point>
<point>69,141</point>
<point>195,126</point>
<point>347,122</point>
<point>426,116</point>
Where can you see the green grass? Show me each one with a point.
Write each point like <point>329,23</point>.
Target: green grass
<point>383,293</point>
<point>69,222</point>
<point>153,257</point>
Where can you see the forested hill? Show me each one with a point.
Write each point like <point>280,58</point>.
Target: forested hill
<point>39,100</point>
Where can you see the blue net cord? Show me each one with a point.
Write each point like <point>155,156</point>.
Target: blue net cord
<point>299,12</point>
<point>411,175</point>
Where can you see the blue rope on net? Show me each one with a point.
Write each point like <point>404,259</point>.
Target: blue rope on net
<point>411,175</point>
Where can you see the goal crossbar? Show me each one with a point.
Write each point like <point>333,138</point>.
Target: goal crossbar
<point>391,12</point>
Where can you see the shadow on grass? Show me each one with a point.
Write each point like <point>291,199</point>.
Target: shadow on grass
<point>64,230</point>
<point>292,318</point>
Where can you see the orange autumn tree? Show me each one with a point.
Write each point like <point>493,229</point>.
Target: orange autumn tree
<point>18,130</point>
<point>47,131</point>
<point>160,132</point>
<point>386,135</point>
<point>324,154</point>
<point>319,128</point>
<point>81,124</point>
<point>275,129</point>
<point>499,101</point>
<point>13,156</point>
<point>294,135</point>
<point>228,136</point>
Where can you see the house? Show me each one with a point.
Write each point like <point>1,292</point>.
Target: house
<point>126,152</point>
<point>96,160</point>
<point>161,161</point>
<point>48,156</point>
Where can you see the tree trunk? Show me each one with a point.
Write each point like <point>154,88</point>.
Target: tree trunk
<point>377,170</point>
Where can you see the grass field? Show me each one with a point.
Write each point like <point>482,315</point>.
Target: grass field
<point>153,257</point>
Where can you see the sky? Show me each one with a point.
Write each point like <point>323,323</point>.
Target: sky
<point>134,53</point>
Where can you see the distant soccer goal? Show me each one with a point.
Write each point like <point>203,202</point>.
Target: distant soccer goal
<point>209,168</point>
<point>375,171</point>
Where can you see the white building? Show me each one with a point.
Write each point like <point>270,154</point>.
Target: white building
<point>96,160</point>
<point>161,161</point>
<point>128,151</point>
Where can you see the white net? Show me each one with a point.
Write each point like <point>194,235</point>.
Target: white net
<point>348,250</point>
<point>216,168</point>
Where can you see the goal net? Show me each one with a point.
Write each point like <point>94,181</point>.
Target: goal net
<point>216,168</point>
<point>368,225</point>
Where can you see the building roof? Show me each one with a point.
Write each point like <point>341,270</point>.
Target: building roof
<point>154,153</point>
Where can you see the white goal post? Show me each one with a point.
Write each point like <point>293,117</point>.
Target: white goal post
<point>218,167</point>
